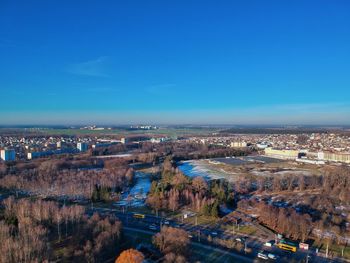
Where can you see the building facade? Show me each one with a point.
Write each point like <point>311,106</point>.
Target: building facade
<point>8,155</point>
<point>336,157</point>
<point>82,146</point>
<point>282,154</point>
<point>238,144</point>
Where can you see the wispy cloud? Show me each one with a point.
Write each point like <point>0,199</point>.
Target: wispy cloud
<point>95,68</point>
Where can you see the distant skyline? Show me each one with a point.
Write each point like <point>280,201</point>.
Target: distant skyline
<point>174,62</point>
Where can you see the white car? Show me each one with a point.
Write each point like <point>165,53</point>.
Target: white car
<point>152,227</point>
<point>240,239</point>
<point>272,256</point>
<point>262,255</point>
<point>268,244</point>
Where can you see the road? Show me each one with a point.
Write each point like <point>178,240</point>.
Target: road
<point>238,257</point>
<point>199,234</point>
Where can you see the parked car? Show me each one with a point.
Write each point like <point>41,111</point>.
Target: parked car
<point>268,244</point>
<point>263,255</point>
<point>152,227</point>
<point>272,256</point>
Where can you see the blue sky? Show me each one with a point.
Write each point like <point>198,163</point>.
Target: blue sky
<point>227,62</point>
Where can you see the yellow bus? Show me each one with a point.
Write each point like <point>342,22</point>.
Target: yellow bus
<point>287,247</point>
<point>138,215</point>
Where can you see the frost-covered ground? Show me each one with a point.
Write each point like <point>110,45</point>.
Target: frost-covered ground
<point>204,169</point>
<point>285,172</point>
<point>137,194</point>
<point>247,160</point>
<point>212,169</point>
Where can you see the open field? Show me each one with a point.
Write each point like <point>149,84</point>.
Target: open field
<point>243,230</point>
<point>214,169</point>
<point>334,250</point>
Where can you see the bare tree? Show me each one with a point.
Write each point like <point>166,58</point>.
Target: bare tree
<point>171,239</point>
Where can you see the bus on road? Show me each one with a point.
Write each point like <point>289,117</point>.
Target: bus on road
<point>289,246</point>
<point>138,216</point>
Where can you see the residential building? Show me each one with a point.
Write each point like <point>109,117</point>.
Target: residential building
<point>82,146</point>
<point>8,155</point>
<point>337,157</point>
<point>238,144</point>
<point>282,154</point>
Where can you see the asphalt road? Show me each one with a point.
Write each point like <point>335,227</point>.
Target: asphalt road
<point>238,257</point>
<point>151,224</point>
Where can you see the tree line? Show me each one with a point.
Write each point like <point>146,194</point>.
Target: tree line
<point>49,180</point>
<point>322,195</point>
<point>285,221</point>
<point>25,230</point>
<point>32,231</point>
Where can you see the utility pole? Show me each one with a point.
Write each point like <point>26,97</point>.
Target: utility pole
<point>199,235</point>
<point>327,250</point>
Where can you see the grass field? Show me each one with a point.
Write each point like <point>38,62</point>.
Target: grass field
<point>244,230</point>
<point>334,249</point>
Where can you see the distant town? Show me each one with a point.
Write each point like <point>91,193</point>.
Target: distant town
<point>316,148</point>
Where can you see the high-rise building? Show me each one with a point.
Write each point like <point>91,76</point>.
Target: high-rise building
<point>82,146</point>
<point>8,155</point>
